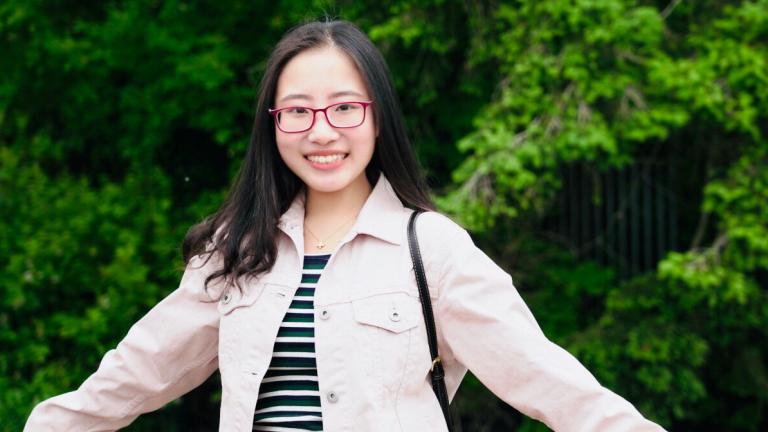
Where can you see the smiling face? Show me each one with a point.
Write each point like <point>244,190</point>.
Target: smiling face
<point>326,159</point>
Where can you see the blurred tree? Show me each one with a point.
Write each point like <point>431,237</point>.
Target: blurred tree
<point>603,84</point>
<point>121,124</point>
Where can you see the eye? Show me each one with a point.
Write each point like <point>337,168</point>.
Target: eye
<point>346,107</point>
<point>296,110</point>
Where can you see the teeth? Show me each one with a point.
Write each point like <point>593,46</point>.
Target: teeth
<point>326,159</point>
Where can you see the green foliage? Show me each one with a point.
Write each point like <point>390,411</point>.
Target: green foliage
<point>84,264</point>
<point>603,83</point>
<point>724,286</point>
<point>122,123</point>
<point>574,89</point>
<point>646,347</point>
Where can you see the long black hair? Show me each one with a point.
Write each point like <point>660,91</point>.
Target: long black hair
<point>245,226</point>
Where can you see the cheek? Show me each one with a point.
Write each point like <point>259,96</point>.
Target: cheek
<point>366,139</point>
<point>286,146</point>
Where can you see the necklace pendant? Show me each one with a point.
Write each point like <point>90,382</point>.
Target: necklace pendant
<point>320,245</point>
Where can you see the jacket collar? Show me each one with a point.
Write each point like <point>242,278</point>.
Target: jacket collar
<point>379,216</point>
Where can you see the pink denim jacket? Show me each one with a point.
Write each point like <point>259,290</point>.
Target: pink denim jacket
<point>372,355</point>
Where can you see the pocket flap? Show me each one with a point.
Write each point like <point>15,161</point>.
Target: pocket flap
<point>233,299</point>
<point>396,312</point>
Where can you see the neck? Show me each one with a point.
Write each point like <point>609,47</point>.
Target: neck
<point>332,214</point>
<point>323,207</point>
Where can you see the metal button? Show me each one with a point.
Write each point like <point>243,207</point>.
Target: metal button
<point>394,315</point>
<point>325,314</point>
<point>332,397</point>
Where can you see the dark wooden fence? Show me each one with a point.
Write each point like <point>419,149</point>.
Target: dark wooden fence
<point>624,218</point>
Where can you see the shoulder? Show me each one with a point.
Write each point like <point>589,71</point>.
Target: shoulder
<point>437,227</point>
<point>439,237</point>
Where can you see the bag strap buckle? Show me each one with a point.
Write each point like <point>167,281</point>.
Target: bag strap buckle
<point>434,363</point>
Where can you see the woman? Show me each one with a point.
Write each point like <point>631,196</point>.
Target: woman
<point>300,289</point>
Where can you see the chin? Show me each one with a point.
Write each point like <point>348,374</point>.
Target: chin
<point>333,183</point>
<point>327,186</point>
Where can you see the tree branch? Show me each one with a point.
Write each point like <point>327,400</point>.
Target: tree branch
<point>670,7</point>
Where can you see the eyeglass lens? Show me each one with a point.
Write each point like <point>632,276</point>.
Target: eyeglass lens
<point>296,119</point>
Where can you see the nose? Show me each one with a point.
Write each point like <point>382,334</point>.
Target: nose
<point>322,132</point>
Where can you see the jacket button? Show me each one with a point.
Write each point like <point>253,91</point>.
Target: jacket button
<point>332,397</point>
<point>394,315</point>
<point>325,314</point>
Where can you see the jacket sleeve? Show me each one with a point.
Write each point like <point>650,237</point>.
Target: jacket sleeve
<point>490,330</point>
<point>168,352</point>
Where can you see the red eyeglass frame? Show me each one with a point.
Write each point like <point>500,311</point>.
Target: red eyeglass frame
<point>274,111</point>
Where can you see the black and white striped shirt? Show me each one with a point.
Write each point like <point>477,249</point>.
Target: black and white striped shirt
<point>289,398</point>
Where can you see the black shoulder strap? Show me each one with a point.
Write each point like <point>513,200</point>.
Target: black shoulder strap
<point>437,374</point>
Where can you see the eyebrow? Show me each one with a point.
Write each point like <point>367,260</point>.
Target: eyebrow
<point>300,96</point>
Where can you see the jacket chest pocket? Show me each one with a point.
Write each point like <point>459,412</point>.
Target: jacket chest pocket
<point>383,333</point>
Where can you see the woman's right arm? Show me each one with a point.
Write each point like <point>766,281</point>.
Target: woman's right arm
<point>168,352</point>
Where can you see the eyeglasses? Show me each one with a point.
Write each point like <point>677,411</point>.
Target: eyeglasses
<point>297,119</point>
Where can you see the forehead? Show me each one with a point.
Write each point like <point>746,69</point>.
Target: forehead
<point>320,74</point>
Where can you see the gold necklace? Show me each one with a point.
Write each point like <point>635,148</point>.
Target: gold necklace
<point>321,243</point>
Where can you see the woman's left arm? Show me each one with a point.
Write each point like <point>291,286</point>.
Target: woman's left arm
<point>490,330</point>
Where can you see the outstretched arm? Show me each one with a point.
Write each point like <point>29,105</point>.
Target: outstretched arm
<point>170,351</point>
<point>489,329</point>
